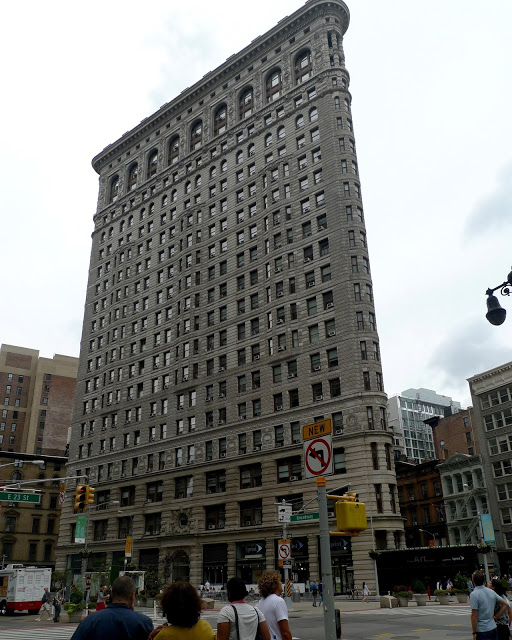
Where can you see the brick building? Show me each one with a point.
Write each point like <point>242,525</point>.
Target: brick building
<point>37,401</point>
<point>454,434</point>
<point>230,303</point>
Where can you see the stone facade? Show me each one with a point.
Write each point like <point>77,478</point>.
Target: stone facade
<point>491,393</point>
<point>29,531</point>
<point>230,303</point>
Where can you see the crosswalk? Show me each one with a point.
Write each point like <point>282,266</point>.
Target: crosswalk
<point>63,632</point>
<point>415,611</point>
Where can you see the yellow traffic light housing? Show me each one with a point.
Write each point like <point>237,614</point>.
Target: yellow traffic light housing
<point>80,497</point>
<point>89,495</point>
<point>350,514</point>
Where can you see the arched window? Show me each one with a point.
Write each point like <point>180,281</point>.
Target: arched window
<point>250,150</point>
<point>245,103</point>
<point>281,133</point>
<point>268,140</point>
<point>188,187</point>
<point>174,150</point>
<point>220,120</point>
<point>196,135</point>
<point>132,176</point>
<point>174,195</point>
<point>152,163</point>
<point>274,85</point>
<point>239,157</point>
<point>16,475</point>
<point>313,114</point>
<point>213,172</point>
<point>303,66</point>
<point>198,181</point>
<point>224,166</point>
<point>130,221</point>
<point>164,201</point>
<point>121,226</point>
<point>114,189</point>
<point>299,121</point>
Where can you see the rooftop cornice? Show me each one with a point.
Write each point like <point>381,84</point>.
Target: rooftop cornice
<point>227,68</point>
<point>491,373</point>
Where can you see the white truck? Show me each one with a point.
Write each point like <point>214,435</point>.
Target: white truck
<point>21,588</point>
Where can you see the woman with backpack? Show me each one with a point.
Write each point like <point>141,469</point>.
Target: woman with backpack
<point>239,620</point>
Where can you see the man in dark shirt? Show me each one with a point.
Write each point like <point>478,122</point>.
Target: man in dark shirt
<point>118,621</point>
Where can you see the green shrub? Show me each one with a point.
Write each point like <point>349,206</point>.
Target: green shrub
<point>419,587</point>
<point>76,597</point>
<point>460,584</point>
<point>442,592</point>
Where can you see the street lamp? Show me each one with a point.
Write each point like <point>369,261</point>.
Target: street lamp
<point>16,463</point>
<point>429,533</point>
<point>495,312</point>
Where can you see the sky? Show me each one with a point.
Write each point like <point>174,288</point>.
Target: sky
<point>432,110</point>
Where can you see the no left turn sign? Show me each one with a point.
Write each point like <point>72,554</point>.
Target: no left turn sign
<point>318,457</point>
<point>284,551</point>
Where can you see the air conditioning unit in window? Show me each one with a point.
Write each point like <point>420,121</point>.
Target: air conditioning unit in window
<point>256,357</point>
<point>307,259</point>
<point>279,443</point>
<point>222,454</point>
<point>294,478</point>
<point>292,375</point>
<point>257,447</point>
<point>280,294</point>
<point>152,415</point>
<point>318,398</point>
<point>279,407</point>
<point>321,228</point>
<point>242,417</point>
<point>152,438</point>
<point>209,398</point>
<point>222,395</point>
<point>184,379</point>
<point>332,334</point>
<point>221,369</point>
<point>339,432</point>
<point>279,269</point>
<point>281,348</point>
<point>329,305</point>
<point>180,406</point>
<point>221,422</point>
<point>311,284</point>
<point>211,526</point>
<point>317,367</point>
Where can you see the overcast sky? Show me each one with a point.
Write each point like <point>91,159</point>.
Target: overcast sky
<point>432,110</point>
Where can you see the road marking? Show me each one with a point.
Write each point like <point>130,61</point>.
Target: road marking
<point>39,633</point>
<point>421,629</point>
<point>454,625</point>
<point>383,635</point>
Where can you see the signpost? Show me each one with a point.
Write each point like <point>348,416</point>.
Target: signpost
<point>13,496</point>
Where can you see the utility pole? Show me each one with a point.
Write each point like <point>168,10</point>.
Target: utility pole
<point>325,551</point>
<point>287,597</point>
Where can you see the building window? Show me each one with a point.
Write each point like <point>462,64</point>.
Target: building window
<point>152,164</point>
<point>196,135</point>
<point>132,176</point>
<point>220,120</point>
<point>274,85</point>
<point>289,469</point>
<point>303,66</point>
<point>245,103</point>
<point>251,513</point>
<point>174,150</point>
<point>250,476</point>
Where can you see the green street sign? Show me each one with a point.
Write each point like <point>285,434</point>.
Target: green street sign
<point>13,496</point>
<point>80,529</point>
<point>304,517</point>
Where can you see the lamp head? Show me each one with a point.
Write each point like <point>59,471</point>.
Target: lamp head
<point>495,312</point>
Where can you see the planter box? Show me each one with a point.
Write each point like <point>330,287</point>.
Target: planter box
<point>462,597</point>
<point>421,599</point>
<point>403,602</point>
<point>443,599</point>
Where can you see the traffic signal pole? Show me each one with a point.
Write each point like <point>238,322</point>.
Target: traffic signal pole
<point>325,551</point>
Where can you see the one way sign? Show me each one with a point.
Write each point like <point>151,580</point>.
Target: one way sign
<point>284,511</point>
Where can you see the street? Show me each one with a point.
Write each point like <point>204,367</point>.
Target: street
<point>412,623</point>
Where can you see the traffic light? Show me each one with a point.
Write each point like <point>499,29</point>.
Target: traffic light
<point>80,498</point>
<point>89,495</point>
<point>350,514</point>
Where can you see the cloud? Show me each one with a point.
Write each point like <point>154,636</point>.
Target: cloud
<point>493,212</point>
<point>466,351</point>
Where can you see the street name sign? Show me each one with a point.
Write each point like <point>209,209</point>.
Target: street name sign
<point>304,517</point>
<point>13,496</point>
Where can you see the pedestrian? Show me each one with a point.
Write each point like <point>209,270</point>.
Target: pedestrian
<point>313,587</point>
<point>207,586</point>
<point>365,592</point>
<point>321,591</point>
<point>449,584</point>
<point>483,601</point>
<point>239,620</point>
<point>181,606</point>
<point>101,603</point>
<point>272,606</point>
<point>503,622</point>
<point>57,604</point>
<point>45,605</point>
<point>118,621</point>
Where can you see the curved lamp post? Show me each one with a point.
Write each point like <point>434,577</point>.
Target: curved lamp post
<point>495,312</point>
